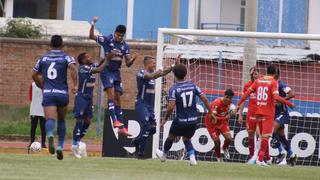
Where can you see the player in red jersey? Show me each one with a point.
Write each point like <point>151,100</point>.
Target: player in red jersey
<point>217,125</point>
<point>266,89</point>
<point>251,123</point>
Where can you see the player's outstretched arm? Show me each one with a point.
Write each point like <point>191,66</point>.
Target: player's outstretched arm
<point>170,108</point>
<point>283,101</point>
<point>243,98</point>
<point>91,32</point>
<point>37,78</point>
<point>205,101</point>
<point>74,77</point>
<point>130,59</point>
<point>158,73</point>
<point>290,95</point>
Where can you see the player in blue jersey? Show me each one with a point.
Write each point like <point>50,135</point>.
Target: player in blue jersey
<point>110,76</point>
<point>145,101</point>
<point>83,102</point>
<point>281,118</point>
<point>50,74</point>
<point>182,97</point>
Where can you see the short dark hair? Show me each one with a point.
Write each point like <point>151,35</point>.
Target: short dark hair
<point>272,69</point>
<point>81,56</point>
<point>253,69</point>
<point>229,93</point>
<point>56,41</point>
<point>180,71</point>
<point>121,29</point>
<point>147,58</point>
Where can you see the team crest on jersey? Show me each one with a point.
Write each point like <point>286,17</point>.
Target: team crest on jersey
<point>122,47</point>
<point>178,89</point>
<point>111,44</point>
<point>101,39</point>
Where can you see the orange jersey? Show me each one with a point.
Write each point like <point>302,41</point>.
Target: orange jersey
<point>219,109</point>
<point>252,105</point>
<point>264,89</point>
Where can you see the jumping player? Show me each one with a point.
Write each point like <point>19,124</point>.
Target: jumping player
<point>50,74</point>
<point>83,101</point>
<point>182,97</point>
<point>266,90</point>
<point>110,76</point>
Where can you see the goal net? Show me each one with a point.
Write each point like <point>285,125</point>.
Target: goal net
<point>217,60</point>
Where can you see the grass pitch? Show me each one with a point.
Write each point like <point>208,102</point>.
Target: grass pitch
<point>35,167</point>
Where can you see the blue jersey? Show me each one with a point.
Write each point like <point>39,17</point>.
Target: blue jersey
<point>283,90</point>
<point>108,43</point>
<point>145,89</point>
<point>53,67</point>
<point>185,93</point>
<point>86,79</point>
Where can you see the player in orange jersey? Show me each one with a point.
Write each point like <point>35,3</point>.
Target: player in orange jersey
<point>217,125</point>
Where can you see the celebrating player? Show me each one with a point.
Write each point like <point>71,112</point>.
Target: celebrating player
<point>145,101</point>
<point>251,122</point>
<point>110,76</point>
<point>266,90</point>
<point>182,96</point>
<point>50,74</point>
<point>82,111</point>
<point>217,125</point>
<point>281,117</point>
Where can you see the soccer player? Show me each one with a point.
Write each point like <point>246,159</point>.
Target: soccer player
<point>251,123</point>
<point>110,76</point>
<point>281,117</point>
<point>145,101</point>
<point>50,74</point>
<point>221,108</point>
<point>83,102</point>
<point>266,90</point>
<point>182,97</point>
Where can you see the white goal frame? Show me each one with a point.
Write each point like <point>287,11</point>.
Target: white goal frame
<point>178,32</point>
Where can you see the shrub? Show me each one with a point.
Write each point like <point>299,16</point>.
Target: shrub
<point>21,28</point>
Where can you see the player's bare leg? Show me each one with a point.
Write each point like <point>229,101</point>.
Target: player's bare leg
<point>227,142</point>
<point>50,114</point>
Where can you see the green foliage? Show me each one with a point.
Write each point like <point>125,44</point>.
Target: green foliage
<point>21,28</point>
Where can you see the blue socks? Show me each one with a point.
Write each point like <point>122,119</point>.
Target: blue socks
<point>111,108</point>
<point>77,132</point>
<point>286,145</point>
<point>50,127</point>
<point>189,147</point>
<point>167,145</point>
<point>84,129</point>
<point>61,132</point>
<point>119,113</point>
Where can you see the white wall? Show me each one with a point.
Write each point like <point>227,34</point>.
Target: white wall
<point>230,11</point>
<point>210,11</point>
<point>8,8</point>
<point>313,21</point>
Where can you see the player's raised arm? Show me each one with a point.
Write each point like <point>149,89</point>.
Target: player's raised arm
<point>91,33</point>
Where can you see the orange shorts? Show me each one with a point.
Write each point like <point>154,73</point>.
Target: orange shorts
<point>251,122</point>
<point>216,129</point>
<point>266,123</point>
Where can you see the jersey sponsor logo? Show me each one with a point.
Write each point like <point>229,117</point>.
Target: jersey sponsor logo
<point>55,91</point>
<point>90,84</point>
<point>150,91</point>
<point>264,81</point>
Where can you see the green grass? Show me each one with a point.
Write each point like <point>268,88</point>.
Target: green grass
<point>16,121</point>
<point>25,167</point>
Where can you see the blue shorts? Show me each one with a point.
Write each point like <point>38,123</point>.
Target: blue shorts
<point>145,115</point>
<point>83,106</point>
<point>55,100</point>
<point>185,130</point>
<point>281,119</point>
<point>111,79</point>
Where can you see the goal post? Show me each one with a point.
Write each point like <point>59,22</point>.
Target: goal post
<point>216,59</point>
